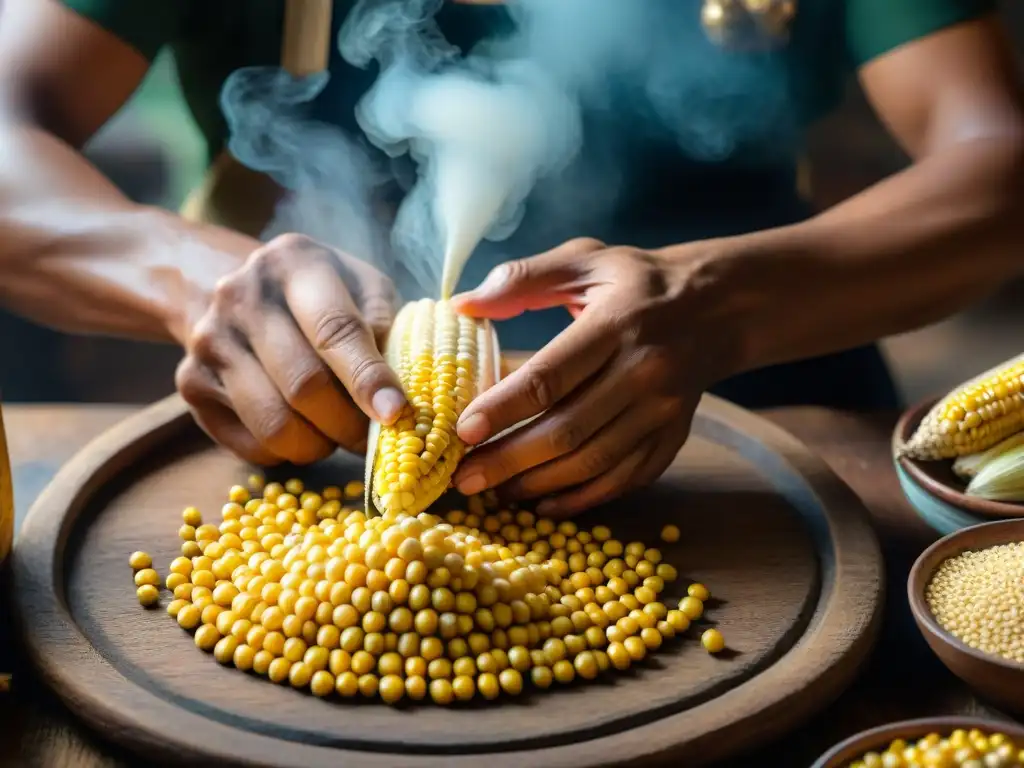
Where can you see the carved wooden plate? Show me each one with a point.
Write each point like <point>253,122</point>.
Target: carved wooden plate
<point>783,544</point>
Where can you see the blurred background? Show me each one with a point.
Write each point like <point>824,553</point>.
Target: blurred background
<point>154,153</point>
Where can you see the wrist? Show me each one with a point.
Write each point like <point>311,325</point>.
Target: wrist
<point>188,259</point>
<point>707,297</point>
<point>736,296</point>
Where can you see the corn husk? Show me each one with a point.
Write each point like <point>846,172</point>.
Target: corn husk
<point>967,467</point>
<point>1002,478</point>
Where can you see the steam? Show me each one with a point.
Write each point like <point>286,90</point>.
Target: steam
<point>485,126</point>
<point>329,179</point>
<point>482,130</point>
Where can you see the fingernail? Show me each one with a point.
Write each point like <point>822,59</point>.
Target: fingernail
<point>388,403</point>
<point>472,484</point>
<point>474,429</point>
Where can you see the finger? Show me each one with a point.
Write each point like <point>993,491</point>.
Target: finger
<point>553,279</point>
<point>661,458</point>
<point>602,453</point>
<point>197,383</point>
<point>572,357</point>
<point>373,292</point>
<point>558,433</point>
<point>225,428</point>
<point>206,398</point>
<point>304,381</point>
<point>601,490</point>
<point>264,412</point>
<point>330,320</point>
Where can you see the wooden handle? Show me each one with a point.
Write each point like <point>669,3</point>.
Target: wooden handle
<point>306,46</point>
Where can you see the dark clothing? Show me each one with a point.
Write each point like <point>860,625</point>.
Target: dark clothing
<point>684,141</point>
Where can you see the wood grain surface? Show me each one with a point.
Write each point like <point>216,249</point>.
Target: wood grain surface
<point>902,679</point>
<point>784,545</point>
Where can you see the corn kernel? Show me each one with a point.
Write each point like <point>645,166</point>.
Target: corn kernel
<point>976,597</point>
<point>398,606</point>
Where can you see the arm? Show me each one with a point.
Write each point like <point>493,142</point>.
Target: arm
<point>281,361</point>
<point>76,253</point>
<point>616,391</point>
<point>910,250</point>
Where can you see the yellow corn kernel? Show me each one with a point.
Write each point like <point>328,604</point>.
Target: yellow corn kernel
<point>972,418</point>
<point>443,360</point>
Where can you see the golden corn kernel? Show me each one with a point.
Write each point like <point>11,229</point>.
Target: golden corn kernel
<point>956,749</point>
<point>140,560</point>
<point>472,604</point>
<point>976,597</point>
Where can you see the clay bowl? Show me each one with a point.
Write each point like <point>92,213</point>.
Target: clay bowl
<point>878,739</point>
<point>997,679</point>
<point>935,492</point>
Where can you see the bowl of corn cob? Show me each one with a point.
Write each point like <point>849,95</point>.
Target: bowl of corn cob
<point>960,458</point>
<point>947,741</point>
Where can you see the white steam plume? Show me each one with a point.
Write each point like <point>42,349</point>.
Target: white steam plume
<point>329,180</point>
<point>485,125</point>
<point>482,129</point>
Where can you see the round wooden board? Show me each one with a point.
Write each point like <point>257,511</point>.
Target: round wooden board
<point>782,543</point>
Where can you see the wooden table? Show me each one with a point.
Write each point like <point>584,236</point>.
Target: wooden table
<point>902,680</point>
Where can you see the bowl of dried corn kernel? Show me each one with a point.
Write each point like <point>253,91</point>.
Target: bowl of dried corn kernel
<point>951,742</point>
<point>966,592</point>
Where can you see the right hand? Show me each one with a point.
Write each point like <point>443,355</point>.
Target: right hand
<point>285,364</point>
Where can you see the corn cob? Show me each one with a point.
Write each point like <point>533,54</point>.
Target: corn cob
<point>443,360</point>
<point>972,418</point>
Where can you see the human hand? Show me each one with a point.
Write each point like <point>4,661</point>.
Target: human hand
<point>614,394</point>
<point>284,365</point>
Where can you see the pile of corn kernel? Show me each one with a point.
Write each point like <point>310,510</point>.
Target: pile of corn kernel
<point>978,597</point>
<point>298,588</point>
<point>961,749</point>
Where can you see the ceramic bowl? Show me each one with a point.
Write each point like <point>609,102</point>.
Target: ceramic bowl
<point>878,739</point>
<point>996,679</point>
<point>935,492</point>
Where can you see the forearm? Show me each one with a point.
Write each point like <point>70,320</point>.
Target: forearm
<point>907,252</point>
<point>77,255</point>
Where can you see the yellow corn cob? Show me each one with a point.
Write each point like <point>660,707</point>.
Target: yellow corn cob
<point>443,360</point>
<point>974,417</point>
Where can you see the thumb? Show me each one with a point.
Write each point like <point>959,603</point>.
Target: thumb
<point>550,279</point>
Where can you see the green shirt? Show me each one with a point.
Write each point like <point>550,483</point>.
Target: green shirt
<point>704,144</point>
<point>211,39</point>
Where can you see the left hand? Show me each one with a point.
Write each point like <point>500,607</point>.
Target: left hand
<point>615,392</point>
